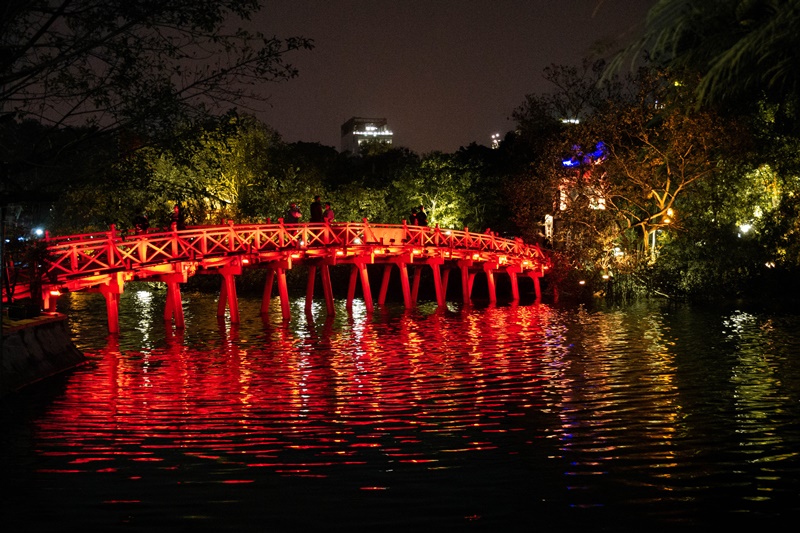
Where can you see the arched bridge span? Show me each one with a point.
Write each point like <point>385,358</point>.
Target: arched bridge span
<point>106,261</point>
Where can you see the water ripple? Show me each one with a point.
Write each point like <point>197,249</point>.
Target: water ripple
<point>479,417</point>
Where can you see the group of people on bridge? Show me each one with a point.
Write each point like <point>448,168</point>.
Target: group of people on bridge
<point>319,212</point>
<point>418,216</point>
<point>293,215</point>
<point>141,224</point>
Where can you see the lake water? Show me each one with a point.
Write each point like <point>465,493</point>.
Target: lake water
<point>486,418</point>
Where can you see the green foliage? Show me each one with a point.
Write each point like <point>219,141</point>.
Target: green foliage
<point>355,202</point>
<point>694,191</point>
<point>444,186</point>
<point>235,167</point>
<point>675,185</point>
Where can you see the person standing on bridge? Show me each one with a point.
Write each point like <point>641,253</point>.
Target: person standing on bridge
<point>412,220</point>
<point>293,215</point>
<point>140,223</point>
<point>176,218</point>
<point>315,210</point>
<point>327,215</point>
<point>422,216</point>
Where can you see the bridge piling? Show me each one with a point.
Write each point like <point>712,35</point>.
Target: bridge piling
<point>434,264</point>
<point>536,286</point>
<point>312,273</point>
<point>267,294</point>
<point>283,292</point>
<point>387,273</point>
<point>111,291</point>
<point>466,281</point>
<point>488,269</point>
<point>327,288</point>
<point>173,310</point>
<point>405,285</point>
<point>277,269</point>
<point>228,296</point>
<point>415,284</point>
<point>445,281</point>
<point>359,269</point>
<point>437,285</point>
<point>512,276</point>
<point>112,310</point>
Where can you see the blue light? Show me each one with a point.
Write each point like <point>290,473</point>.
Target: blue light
<point>598,155</point>
<point>600,151</point>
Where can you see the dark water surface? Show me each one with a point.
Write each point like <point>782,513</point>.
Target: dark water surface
<point>505,418</point>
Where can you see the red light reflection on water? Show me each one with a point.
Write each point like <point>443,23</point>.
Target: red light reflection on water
<point>420,391</point>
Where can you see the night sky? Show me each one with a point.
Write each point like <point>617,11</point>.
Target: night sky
<point>444,73</point>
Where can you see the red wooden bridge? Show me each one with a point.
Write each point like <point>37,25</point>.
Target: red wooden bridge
<point>105,262</point>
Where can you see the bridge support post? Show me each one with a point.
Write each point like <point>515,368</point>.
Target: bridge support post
<point>435,264</point>
<point>536,286</point>
<point>445,280</point>
<point>488,269</point>
<point>327,288</point>
<point>387,274</point>
<point>111,292</point>
<point>359,268</point>
<point>312,274</point>
<point>267,291</point>
<point>278,268</point>
<point>466,280</point>
<point>405,285</point>
<point>351,287</point>
<point>437,281</point>
<point>402,267</point>
<point>227,295</point>
<point>174,307</point>
<point>112,307</point>
<point>415,286</point>
<point>437,284</point>
<point>112,310</point>
<point>325,276</point>
<point>283,292</point>
<point>512,272</point>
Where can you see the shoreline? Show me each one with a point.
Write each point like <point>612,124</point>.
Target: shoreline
<point>34,349</point>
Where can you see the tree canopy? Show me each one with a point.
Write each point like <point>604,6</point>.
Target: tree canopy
<point>743,49</point>
<point>142,67</point>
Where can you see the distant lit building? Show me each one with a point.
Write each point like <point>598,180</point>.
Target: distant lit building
<point>358,131</point>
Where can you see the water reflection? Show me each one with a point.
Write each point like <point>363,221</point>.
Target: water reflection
<point>491,417</point>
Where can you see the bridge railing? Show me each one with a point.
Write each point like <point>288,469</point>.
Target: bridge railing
<point>86,254</point>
